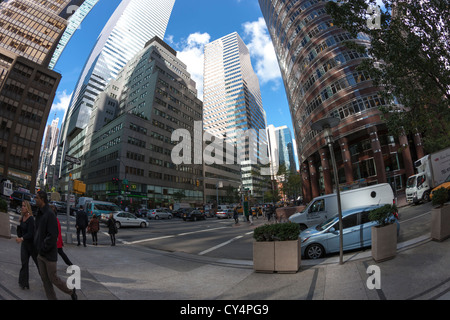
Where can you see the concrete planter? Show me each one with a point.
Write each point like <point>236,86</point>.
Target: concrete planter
<point>277,256</point>
<point>384,242</point>
<point>440,223</point>
<point>5,225</point>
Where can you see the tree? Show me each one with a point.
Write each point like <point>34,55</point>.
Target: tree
<point>409,60</point>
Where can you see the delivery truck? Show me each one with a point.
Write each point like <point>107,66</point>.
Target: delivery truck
<point>324,207</point>
<point>432,170</point>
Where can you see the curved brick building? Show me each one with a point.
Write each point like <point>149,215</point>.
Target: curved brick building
<point>322,80</point>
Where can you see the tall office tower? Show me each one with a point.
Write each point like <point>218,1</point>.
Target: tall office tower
<point>79,13</point>
<point>50,143</point>
<point>232,103</point>
<point>321,80</point>
<point>29,33</point>
<point>133,23</point>
<point>281,150</point>
<point>33,28</point>
<point>129,134</point>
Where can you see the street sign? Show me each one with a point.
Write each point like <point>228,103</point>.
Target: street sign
<point>73,160</point>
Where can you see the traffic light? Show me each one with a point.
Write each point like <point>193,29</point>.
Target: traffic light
<point>79,187</point>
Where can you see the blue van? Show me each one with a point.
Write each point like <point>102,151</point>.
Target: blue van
<point>100,208</point>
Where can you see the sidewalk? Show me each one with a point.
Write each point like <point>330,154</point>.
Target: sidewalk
<point>419,271</point>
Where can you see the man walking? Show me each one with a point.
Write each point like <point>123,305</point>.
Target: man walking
<point>81,225</point>
<point>45,240</point>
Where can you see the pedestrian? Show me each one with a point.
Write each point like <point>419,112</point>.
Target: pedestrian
<point>45,240</point>
<point>112,229</point>
<point>25,235</point>
<point>60,243</point>
<point>81,225</point>
<point>236,215</point>
<point>269,212</point>
<point>93,228</point>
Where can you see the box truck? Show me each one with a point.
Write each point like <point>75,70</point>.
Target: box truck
<point>432,170</point>
<point>324,207</point>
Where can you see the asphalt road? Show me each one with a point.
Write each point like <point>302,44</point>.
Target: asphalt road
<point>222,238</point>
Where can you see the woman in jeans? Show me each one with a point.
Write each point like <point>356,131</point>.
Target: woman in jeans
<point>25,236</point>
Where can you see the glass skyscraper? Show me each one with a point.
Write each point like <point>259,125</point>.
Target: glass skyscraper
<point>232,101</point>
<point>74,23</point>
<point>322,80</point>
<point>133,23</point>
<point>281,148</point>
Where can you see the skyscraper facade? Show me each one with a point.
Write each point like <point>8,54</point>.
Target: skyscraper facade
<point>32,28</point>
<point>79,13</point>
<point>29,33</point>
<point>129,136</point>
<point>232,102</point>
<point>321,80</point>
<point>133,23</point>
<point>281,149</point>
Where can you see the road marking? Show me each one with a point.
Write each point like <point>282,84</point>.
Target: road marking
<point>172,236</point>
<point>223,244</point>
<point>424,214</point>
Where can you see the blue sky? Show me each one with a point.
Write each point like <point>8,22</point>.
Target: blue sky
<point>193,24</point>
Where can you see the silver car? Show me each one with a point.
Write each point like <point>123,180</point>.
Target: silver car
<point>159,214</point>
<point>357,233</point>
<point>126,219</point>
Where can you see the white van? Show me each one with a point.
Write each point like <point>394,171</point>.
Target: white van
<point>324,207</point>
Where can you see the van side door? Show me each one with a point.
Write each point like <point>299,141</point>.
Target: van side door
<point>316,213</point>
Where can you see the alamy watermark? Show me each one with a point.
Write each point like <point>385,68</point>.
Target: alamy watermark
<point>244,147</point>
<point>374,280</point>
<point>74,281</point>
<point>374,19</point>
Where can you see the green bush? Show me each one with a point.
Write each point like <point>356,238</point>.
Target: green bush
<point>277,232</point>
<point>440,196</point>
<point>382,214</point>
<point>3,206</point>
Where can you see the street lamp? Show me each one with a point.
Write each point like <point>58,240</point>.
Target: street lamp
<point>325,125</point>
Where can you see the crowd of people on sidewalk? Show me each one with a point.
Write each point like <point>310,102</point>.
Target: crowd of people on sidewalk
<point>40,238</point>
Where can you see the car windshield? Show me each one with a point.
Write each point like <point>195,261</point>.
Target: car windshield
<point>324,225</point>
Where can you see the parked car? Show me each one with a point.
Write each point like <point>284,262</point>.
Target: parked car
<point>60,206</point>
<point>16,198</point>
<point>224,214</point>
<point>194,215</point>
<point>142,213</point>
<point>159,214</point>
<point>126,219</point>
<point>357,233</point>
<point>180,212</point>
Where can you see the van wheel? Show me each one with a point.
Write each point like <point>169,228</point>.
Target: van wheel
<point>314,251</point>
<point>426,197</point>
<point>143,224</point>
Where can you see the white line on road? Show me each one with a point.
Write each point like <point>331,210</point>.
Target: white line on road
<point>421,215</point>
<point>223,244</point>
<point>172,236</point>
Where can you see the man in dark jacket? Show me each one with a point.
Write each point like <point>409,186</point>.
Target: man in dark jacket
<point>81,225</point>
<point>45,239</point>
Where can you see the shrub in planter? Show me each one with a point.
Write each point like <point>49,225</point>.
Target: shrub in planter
<point>3,206</point>
<point>277,248</point>
<point>440,196</point>
<point>440,215</point>
<point>277,232</point>
<point>384,235</point>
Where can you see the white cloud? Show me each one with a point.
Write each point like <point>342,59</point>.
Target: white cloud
<point>262,51</point>
<point>61,102</point>
<point>192,54</point>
